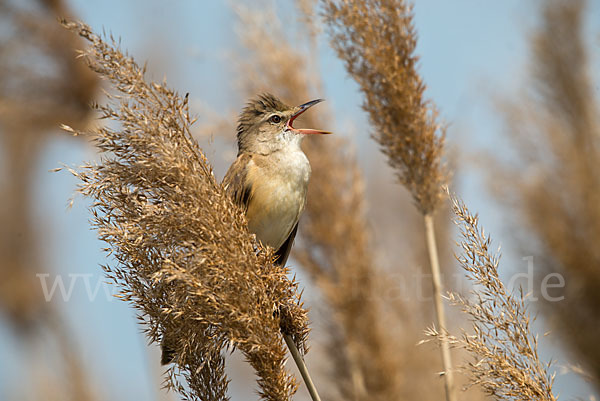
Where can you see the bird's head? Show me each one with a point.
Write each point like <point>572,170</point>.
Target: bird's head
<point>265,125</point>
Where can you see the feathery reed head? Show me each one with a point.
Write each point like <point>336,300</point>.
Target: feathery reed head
<point>504,349</point>
<point>377,41</point>
<point>184,257</point>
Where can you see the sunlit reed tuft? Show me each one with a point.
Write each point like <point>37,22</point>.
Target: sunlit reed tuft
<point>503,348</point>
<point>181,251</point>
<point>377,42</point>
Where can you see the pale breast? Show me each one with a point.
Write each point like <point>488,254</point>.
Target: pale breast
<point>278,196</point>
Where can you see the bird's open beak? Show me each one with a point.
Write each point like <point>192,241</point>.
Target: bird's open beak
<point>301,109</point>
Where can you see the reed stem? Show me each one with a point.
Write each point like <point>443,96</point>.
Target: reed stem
<point>302,367</point>
<point>439,305</point>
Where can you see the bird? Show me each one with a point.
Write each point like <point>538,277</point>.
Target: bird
<point>269,178</point>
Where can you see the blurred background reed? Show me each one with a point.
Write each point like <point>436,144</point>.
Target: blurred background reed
<point>517,85</point>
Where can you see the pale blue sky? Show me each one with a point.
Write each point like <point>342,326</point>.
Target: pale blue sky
<point>470,49</point>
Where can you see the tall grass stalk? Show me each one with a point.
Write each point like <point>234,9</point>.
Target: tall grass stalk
<point>377,42</point>
<point>440,312</point>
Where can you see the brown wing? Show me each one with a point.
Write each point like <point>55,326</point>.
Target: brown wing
<point>284,250</point>
<point>235,181</point>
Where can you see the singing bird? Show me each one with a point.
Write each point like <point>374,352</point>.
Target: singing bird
<point>269,178</point>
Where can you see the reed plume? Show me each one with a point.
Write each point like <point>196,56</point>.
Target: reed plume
<point>555,188</point>
<point>377,41</point>
<point>184,257</point>
<point>504,351</point>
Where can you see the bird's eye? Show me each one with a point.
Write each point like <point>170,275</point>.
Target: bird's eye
<point>275,119</point>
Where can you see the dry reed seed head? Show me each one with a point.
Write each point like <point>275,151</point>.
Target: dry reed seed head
<point>505,361</point>
<point>377,41</point>
<point>184,257</point>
